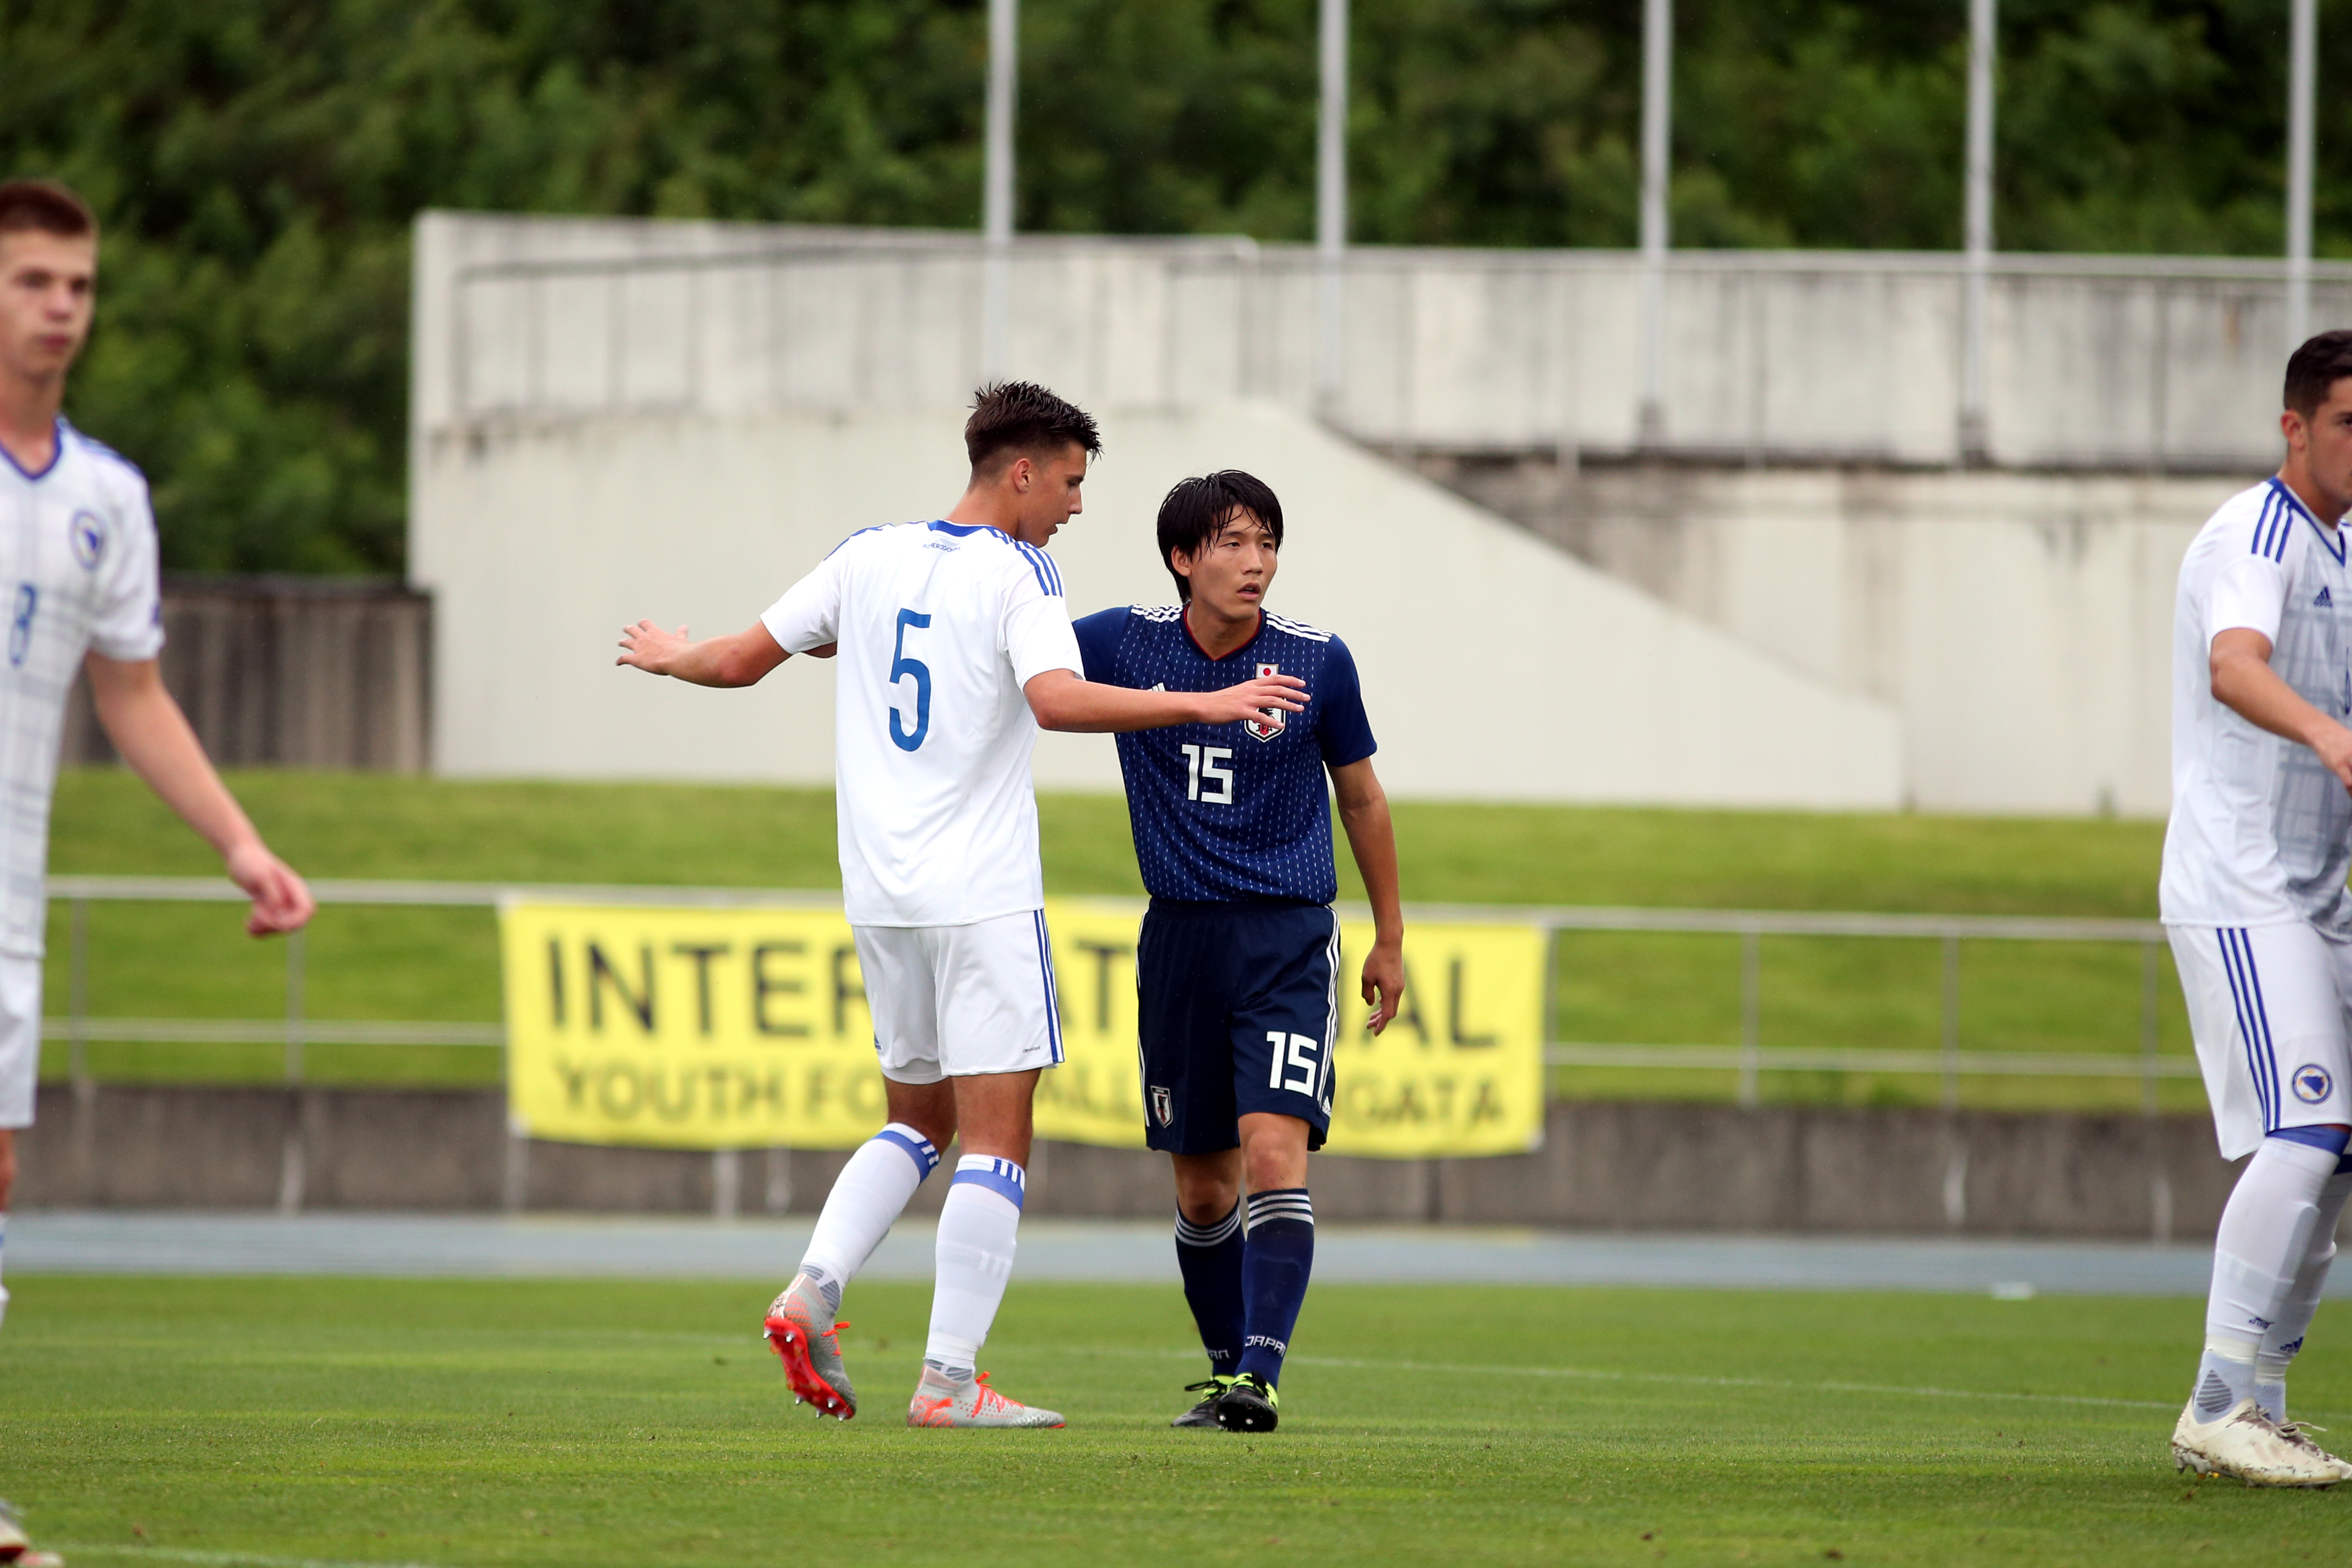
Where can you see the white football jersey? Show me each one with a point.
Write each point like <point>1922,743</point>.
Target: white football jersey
<point>2260,832</point>
<point>76,573</point>
<point>941,625</point>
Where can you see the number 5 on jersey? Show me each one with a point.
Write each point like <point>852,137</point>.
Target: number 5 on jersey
<point>901,666</point>
<point>1215,763</point>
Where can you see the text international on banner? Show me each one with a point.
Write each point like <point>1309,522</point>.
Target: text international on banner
<point>747,1028</point>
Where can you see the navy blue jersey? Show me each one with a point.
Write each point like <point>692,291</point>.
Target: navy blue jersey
<point>1232,813</point>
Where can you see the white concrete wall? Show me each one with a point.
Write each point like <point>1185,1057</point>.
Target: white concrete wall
<point>2092,361</point>
<point>2021,623</point>
<point>1495,665</point>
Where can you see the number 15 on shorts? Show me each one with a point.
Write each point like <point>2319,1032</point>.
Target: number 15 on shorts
<point>1300,1055</point>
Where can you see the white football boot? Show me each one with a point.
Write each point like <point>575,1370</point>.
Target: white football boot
<point>16,1547</point>
<point>2249,1444</point>
<point>942,1401</point>
<point>805,1334</point>
<point>2299,1434</point>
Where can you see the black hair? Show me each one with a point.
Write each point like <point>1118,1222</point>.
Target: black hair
<point>1197,511</point>
<point>1016,418</point>
<point>2313,370</point>
<point>46,207</point>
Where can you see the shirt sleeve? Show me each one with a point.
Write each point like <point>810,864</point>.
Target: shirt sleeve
<point>2248,594</point>
<point>1340,726</point>
<point>1098,638</point>
<point>129,625</point>
<point>809,614</point>
<point>1037,635</point>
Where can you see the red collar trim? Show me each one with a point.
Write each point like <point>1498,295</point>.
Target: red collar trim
<point>1185,620</point>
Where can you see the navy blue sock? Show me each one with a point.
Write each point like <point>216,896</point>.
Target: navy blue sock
<point>1210,1258</point>
<point>1276,1263</point>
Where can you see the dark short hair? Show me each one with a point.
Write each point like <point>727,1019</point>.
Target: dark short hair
<point>1197,511</point>
<point>1016,418</point>
<point>2313,370</point>
<point>45,206</point>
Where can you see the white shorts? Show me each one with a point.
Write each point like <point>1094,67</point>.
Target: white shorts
<point>956,1001</point>
<point>2267,1007</point>
<point>20,1038</point>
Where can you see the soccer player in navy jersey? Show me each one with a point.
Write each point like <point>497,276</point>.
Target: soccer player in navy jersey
<point>1238,970</point>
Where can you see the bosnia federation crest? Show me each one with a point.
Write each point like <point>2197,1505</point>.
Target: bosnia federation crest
<point>1163,1105</point>
<point>1267,728</point>
<point>88,535</point>
<point>2311,1083</point>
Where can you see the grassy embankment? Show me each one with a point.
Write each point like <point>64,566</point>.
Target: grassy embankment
<point>437,964</point>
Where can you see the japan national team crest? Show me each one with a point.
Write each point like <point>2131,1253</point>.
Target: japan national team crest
<point>1163,1106</point>
<point>1267,728</point>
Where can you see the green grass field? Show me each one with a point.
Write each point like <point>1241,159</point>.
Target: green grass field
<point>433,965</point>
<point>234,1421</point>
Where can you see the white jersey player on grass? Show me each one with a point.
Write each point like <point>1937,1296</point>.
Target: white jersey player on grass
<point>2255,901</point>
<point>954,646</point>
<point>79,595</point>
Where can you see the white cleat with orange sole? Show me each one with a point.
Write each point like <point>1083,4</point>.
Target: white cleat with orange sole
<point>806,1337</point>
<point>944,1402</point>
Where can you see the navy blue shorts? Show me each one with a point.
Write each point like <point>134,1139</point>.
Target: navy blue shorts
<point>1239,1005</point>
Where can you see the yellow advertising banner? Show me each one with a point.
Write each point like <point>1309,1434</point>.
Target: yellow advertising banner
<point>746,1027</point>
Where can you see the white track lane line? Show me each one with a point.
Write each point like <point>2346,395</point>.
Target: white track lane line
<point>223,1558</point>
<point>1687,1380</point>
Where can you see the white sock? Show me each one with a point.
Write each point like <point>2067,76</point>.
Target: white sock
<point>867,1199</point>
<point>2286,1336</point>
<point>2265,1234</point>
<point>980,1229</point>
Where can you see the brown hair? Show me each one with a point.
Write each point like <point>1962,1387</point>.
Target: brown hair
<point>1018,417</point>
<point>45,206</point>
<point>2312,371</point>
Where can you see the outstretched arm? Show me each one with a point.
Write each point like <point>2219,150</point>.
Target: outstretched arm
<point>738,660</point>
<point>1371,836</point>
<point>2239,664</point>
<point>148,728</point>
<point>1062,702</point>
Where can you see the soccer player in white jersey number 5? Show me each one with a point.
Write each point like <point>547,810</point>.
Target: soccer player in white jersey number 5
<point>954,647</point>
<point>79,586</point>
<point>2254,900</point>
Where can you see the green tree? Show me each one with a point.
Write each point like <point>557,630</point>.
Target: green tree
<point>258,164</point>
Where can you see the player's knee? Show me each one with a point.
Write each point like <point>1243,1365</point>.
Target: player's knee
<point>7,1167</point>
<point>1206,1196</point>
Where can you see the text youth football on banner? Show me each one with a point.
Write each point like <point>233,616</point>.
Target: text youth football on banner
<point>708,1028</point>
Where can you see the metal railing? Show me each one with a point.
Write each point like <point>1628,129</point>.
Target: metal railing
<point>1749,1058</point>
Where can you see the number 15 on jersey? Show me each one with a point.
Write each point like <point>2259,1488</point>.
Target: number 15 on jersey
<point>1211,766</point>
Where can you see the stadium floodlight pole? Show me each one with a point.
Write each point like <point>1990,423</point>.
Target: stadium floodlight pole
<point>2303,51</point>
<point>1982,38</point>
<point>996,208</point>
<point>1657,85</point>
<point>1332,207</point>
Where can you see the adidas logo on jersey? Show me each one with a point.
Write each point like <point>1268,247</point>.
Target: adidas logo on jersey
<point>2324,602</point>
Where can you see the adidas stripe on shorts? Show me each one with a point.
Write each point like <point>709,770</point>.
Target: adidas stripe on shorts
<point>956,1001</point>
<point>2268,1007</point>
<point>20,1038</point>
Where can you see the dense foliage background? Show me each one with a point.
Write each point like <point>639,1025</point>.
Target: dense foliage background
<point>258,164</point>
